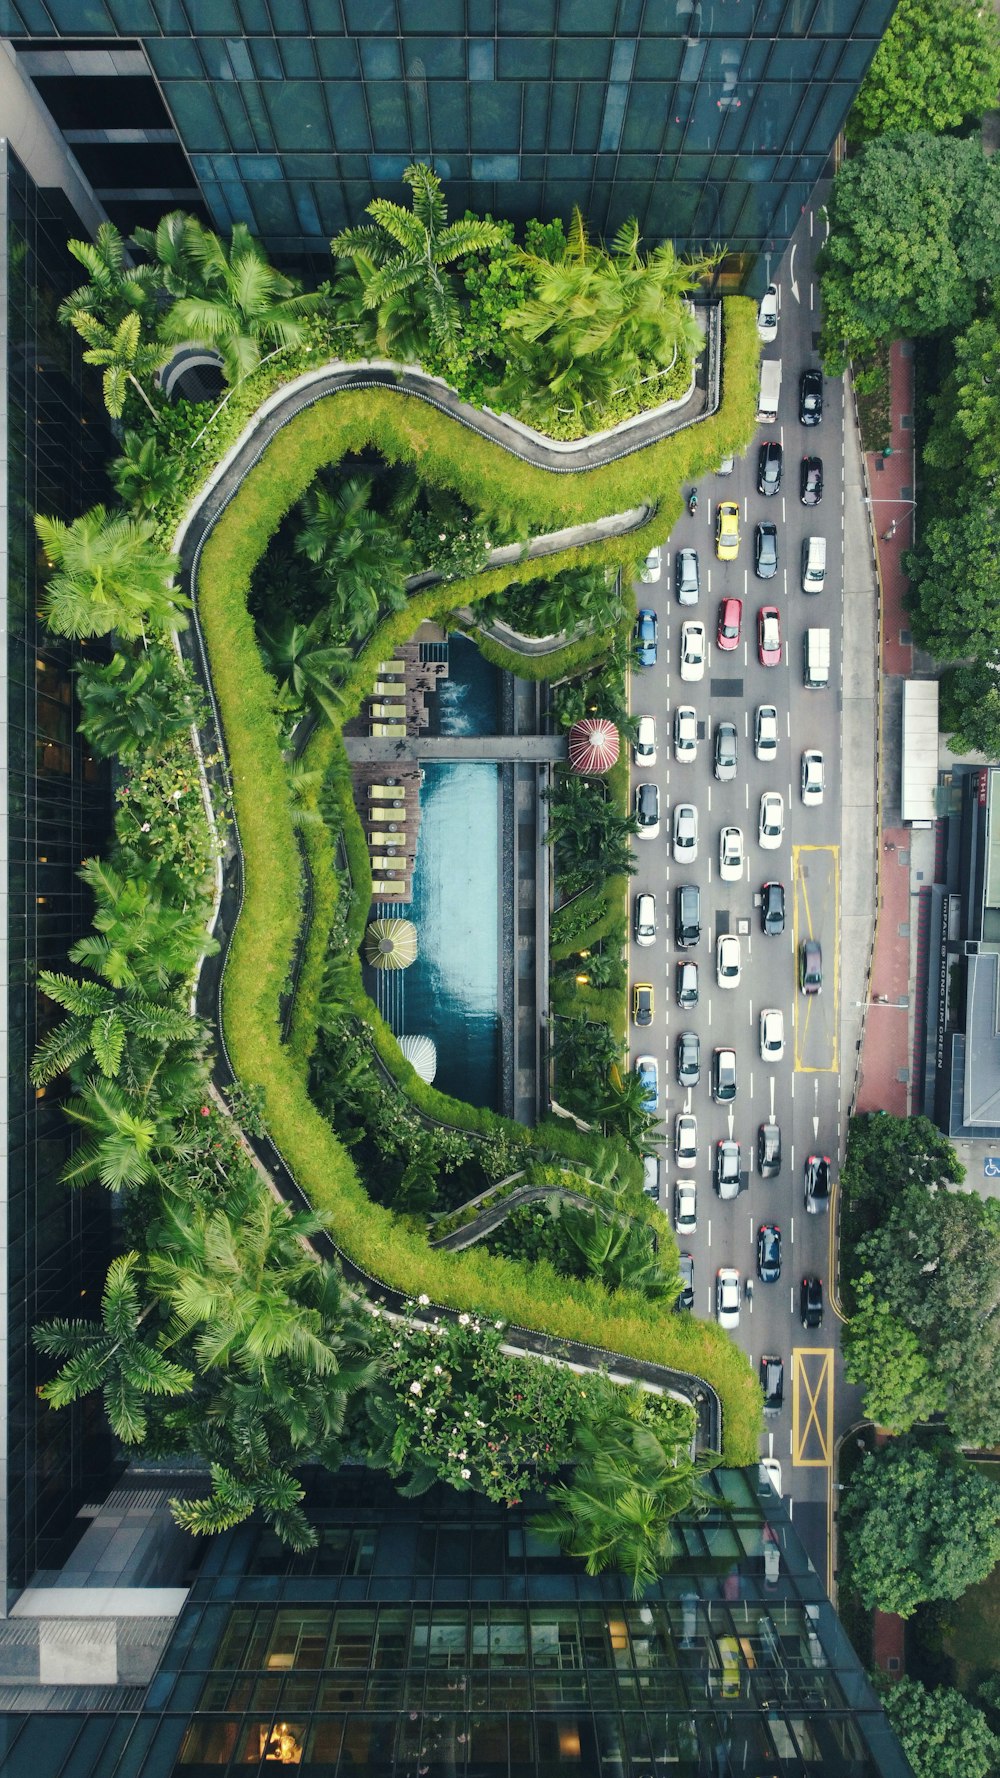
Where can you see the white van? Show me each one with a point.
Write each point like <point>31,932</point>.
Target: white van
<point>814,564</point>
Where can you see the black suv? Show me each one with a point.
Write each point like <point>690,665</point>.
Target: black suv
<point>772,1381</point>
<point>688,1059</point>
<point>772,909</point>
<point>811,1302</point>
<point>765,551</point>
<point>811,481</point>
<point>769,462</point>
<point>769,1151</point>
<point>811,397</point>
<point>687,916</point>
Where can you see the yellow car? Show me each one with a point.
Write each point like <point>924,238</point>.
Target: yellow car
<point>642,1003</point>
<point>729,1657</point>
<point>727,531</point>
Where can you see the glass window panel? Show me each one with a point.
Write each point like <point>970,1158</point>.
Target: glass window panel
<point>584,59</point>
<point>561,118</point>
<point>380,60</point>
<point>433,15</point>
<point>448,116</point>
<point>216,58</point>
<point>535,115</point>
<point>338,58</point>
<point>496,117</point>
<point>657,58</point>
<point>197,116</point>
<point>254,16</point>
<point>482,61</point>
<point>588,17</point>
<point>238,129</point>
<point>134,17</point>
<point>387,108</point>
<point>614,116</point>
<point>442,57</point>
<point>298,114</point>
<point>175,58</point>
<point>260,166</point>
<point>589,114</point>
<point>523,58</point>
<point>297,55</point>
<point>77,16</point>
<point>644,115</point>
<point>791,61</point>
<point>364,16</point>
<point>266,59</point>
<point>528,18</point>
<point>214,15</point>
<point>492,167</point>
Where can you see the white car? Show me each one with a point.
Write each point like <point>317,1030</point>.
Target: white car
<point>767,314</point>
<point>770,1472</point>
<point>772,1034</point>
<point>685,833</point>
<point>651,1176</point>
<point>685,1139</point>
<point>728,961</point>
<point>685,734</point>
<point>728,1295</point>
<point>652,567</point>
<point>644,745</point>
<point>692,650</point>
<point>771,825</point>
<point>685,1207</point>
<point>645,918</point>
<point>813,777</point>
<point>765,733</point>
<point>731,854</point>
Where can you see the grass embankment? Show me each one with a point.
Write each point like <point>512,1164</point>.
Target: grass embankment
<point>266,933</point>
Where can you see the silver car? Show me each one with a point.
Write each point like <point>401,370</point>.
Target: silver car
<point>685,733</point>
<point>685,833</point>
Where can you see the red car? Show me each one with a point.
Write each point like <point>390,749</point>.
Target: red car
<point>769,636</point>
<point>730,617</point>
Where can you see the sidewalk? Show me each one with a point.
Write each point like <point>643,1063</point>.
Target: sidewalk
<point>884,1081</point>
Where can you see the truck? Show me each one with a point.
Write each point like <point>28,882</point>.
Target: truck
<point>816,660</point>
<point>770,389</point>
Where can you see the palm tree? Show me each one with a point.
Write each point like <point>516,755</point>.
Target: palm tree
<point>169,248</point>
<point>624,1114</point>
<point>619,1251</point>
<point>132,704</point>
<point>359,554</point>
<point>104,1025</point>
<point>627,1489</point>
<point>147,475</point>
<point>139,940</point>
<point>116,289</point>
<point>123,355</point>
<point>402,259</point>
<point>111,1355</point>
<point>240,305</point>
<point>126,1132</point>
<point>271,1491</point>
<point>109,575</point>
<point>308,669</point>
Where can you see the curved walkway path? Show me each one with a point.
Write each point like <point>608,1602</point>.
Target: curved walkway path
<point>197,527</point>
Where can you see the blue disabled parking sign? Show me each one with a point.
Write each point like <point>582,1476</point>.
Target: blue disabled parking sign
<point>991,1166</point>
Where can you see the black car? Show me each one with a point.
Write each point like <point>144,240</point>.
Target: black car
<point>811,481</point>
<point>769,463</point>
<point>726,751</point>
<point>811,1302</point>
<point>772,909</point>
<point>687,985</point>
<point>811,966</point>
<point>817,1183</point>
<point>724,1076</point>
<point>686,1298</point>
<point>811,397</point>
<point>688,1059</point>
<point>687,916</point>
<point>765,551</point>
<point>769,1151</point>
<point>769,1253</point>
<point>772,1381</point>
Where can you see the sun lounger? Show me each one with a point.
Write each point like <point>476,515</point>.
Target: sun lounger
<point>387,731</point>
<point>386,793</point>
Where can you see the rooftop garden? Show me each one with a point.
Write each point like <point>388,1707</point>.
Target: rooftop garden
<point>223,1333</point>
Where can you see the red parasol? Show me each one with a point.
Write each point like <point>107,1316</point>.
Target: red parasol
<point>593,744</point>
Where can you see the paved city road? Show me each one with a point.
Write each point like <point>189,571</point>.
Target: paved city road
<point>801,1091</point>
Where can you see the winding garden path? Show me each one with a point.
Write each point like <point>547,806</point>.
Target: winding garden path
<point>201,519</point>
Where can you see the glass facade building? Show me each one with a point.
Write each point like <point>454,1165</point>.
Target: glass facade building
<point>53,809</point>
<point>709,120</point>
<point>442,1638</point>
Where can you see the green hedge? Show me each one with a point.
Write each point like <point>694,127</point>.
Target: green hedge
<point>265,935</point>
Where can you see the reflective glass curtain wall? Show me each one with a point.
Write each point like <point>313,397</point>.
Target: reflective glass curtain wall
<point>54,808</point>
<point>710,120</point>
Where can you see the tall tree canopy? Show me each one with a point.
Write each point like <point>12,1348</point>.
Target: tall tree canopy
<point>915,226</point>
<point>919,1521</point>
<point>942,1733</point>
<point>938,64</point>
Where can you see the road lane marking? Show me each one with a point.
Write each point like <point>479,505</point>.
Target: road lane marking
<point>812,1407</point>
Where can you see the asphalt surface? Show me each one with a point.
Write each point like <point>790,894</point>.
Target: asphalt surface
<point>802,1090</point>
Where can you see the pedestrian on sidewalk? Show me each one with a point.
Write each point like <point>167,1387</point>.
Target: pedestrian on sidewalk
<point>887,536</point>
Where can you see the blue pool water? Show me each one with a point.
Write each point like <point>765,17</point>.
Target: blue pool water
<point>450,992</point>
<point>467,700</point>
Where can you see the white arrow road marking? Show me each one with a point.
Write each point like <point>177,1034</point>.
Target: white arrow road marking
<point>791,273</point>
